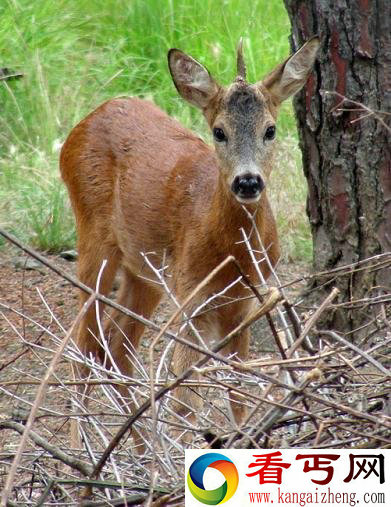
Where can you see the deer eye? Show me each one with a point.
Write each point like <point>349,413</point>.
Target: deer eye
<point>219,134</point>
<point>270,133</point>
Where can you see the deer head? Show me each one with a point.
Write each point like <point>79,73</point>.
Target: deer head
<point>242,116</point>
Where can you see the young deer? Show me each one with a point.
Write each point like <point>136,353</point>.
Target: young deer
<point>140,182</point>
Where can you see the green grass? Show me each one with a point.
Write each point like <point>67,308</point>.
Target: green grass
<point>75,54</point>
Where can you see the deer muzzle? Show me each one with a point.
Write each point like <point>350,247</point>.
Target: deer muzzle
<point>247,187</point>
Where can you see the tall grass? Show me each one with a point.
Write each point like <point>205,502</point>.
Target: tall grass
<point>77,53</point>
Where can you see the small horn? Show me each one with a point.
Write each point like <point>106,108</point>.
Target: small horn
<point>241,66</point>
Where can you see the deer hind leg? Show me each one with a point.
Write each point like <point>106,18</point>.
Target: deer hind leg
<point>91,256</point>
<point>124,332</point>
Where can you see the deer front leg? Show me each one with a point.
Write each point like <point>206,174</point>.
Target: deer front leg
<point>240,347</point>
<point>188,401</point>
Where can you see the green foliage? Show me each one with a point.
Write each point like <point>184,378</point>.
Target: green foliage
<point>34,204</point>
<point>75,54</point>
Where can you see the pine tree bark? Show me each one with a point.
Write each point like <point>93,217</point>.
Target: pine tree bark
<point>346,156</point>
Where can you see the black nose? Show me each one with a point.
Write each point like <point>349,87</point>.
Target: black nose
<point>247,186</point>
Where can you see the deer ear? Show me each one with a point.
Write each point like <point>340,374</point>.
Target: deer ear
<point>192,80</point>
<point>290,76</point>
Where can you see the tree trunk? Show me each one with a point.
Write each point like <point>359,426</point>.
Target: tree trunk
<point>346,156</point>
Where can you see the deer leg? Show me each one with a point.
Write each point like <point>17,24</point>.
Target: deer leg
<point>188,401</point>
<point>240,346</point>
<point>124,333</point>
<point>91,257</point>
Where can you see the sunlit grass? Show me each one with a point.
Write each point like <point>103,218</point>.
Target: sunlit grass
<point>75,54</point>
<point>34,204</point>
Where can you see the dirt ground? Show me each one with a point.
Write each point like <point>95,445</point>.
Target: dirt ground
<point>38,294</point>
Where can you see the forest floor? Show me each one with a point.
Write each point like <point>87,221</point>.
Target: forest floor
<point>33,298</point>
<point>38,307</point>
<point>34,302</point>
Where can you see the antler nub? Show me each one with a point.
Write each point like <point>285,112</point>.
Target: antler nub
<point>241,66</point>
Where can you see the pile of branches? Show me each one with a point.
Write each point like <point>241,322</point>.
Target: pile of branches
<point>319,389</point>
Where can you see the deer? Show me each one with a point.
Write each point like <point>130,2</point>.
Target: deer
<point>139,182</point>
